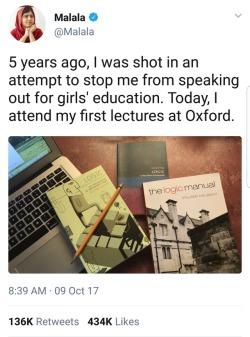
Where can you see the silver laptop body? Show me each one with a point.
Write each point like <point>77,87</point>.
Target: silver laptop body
<point>48,247</point>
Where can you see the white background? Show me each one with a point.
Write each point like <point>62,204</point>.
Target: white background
<point>166,305</point>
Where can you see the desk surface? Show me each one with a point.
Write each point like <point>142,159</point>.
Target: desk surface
<point>187,156</point>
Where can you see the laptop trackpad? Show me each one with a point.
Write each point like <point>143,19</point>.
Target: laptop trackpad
<point>53,257</point>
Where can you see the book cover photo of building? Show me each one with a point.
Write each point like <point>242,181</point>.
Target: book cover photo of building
<point>189,226</point>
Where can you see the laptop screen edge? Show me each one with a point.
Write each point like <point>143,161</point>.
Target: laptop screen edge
<point>22,177</point>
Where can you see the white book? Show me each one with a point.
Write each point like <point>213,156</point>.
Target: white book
<point>189,226</point>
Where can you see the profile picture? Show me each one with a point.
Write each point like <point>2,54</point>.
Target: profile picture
<point>27,24</point>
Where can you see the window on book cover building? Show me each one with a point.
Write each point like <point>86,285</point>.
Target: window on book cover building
<point>164,229</point>
<point>166,252</point>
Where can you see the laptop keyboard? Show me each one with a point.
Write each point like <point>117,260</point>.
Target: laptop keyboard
<point>31,215</point>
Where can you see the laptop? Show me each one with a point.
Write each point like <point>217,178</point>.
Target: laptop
<point>37,241</point>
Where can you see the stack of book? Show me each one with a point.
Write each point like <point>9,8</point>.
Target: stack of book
<point>187,217</point>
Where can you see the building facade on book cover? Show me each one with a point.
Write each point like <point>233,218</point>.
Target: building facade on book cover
<point>189,226</point>
<point>78,204</point>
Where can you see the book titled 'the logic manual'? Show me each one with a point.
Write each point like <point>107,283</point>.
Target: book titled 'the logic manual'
<point>189,225</point>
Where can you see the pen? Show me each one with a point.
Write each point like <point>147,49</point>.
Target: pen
<point>96,224</point>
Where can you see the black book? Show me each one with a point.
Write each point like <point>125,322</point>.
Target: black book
<point>140,162</point>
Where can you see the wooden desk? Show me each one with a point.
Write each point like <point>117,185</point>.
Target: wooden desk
<point>186,156</point>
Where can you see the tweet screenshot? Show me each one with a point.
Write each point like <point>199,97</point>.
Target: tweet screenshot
<point>125,130</point>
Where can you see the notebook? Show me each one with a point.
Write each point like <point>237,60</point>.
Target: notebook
<point>37,241</point>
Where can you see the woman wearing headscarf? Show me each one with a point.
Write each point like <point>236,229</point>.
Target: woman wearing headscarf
<point>26,30</point>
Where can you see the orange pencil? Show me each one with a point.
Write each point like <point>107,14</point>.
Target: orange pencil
<point>102,215</point>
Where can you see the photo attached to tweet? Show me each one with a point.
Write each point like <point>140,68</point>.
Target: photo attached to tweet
<point>181,215</point>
